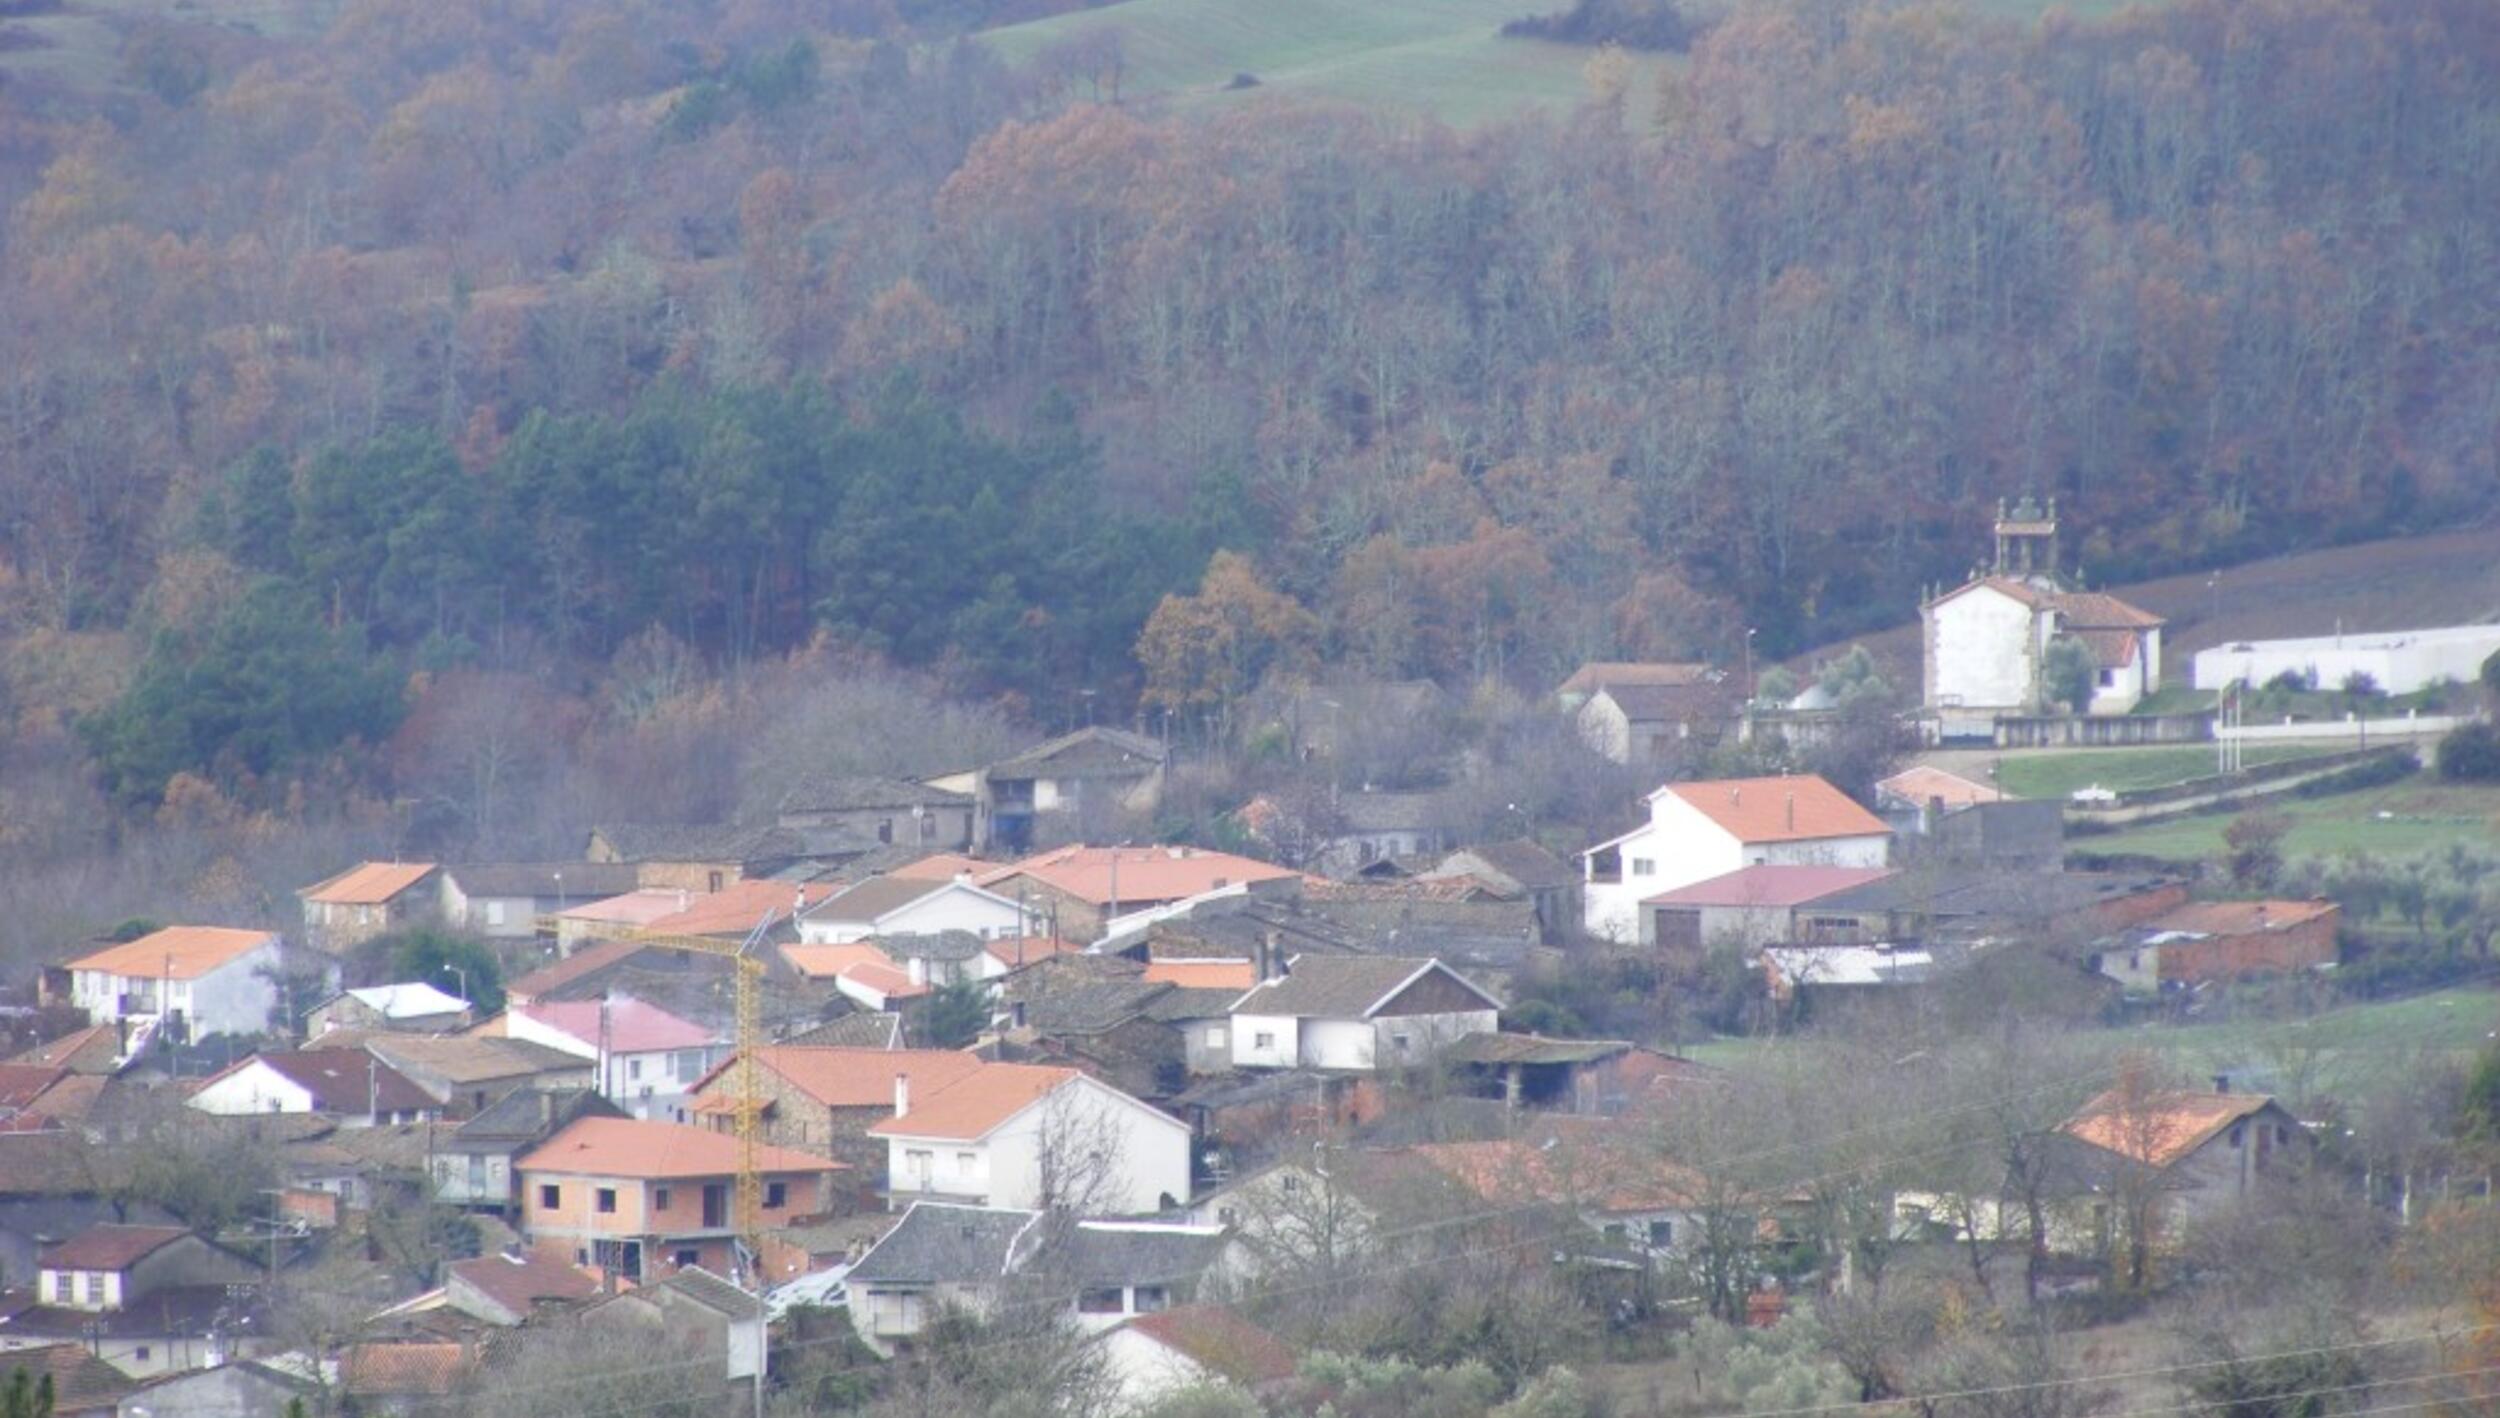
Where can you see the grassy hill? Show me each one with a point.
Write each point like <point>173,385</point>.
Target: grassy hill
<point>2416,817</point>
<point>1445,58</point>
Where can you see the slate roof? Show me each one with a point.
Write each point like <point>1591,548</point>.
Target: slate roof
<point>1096,751</point>
<point>729,842</point>
<point>876,897</point>
<point>948,946</point>
<point>1182,1003</point>
<point>368,883</point>
<point>1142,1252</point>
<point>1529,1049</point>
<point>863,1029</point>
<point>1530,866</point>
<point>81,1382</point>
<point>529,1113</point>
<point>109,1247</point>
<point>581,881</point>
<point>176,952</point>
<point>1342,986</point>
<point>472,1058</point>
<point>1397,812</point>
<point>1089,1006</point>
<point>1670,703</point>
<point>711,1292</point>
<point>1947,892</point>
<point>938,1244</point>
<point>587,961</point>
<point>1605,674</point>
<point>819,792</point>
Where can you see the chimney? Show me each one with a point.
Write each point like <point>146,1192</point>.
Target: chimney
<point>917,969</point>
<point>902,1095</point>
<point>1735,797</point>
<point>963,878</point>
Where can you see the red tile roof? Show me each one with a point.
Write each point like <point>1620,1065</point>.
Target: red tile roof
<point>2159,1129</point>
<point>1570,1171</point>
<point>109,1247</point>
<point>1214,974</point>
<point>588,960</point>
<point>90,1050</point>
<point>738,908</point>
<point>975,1105</point>
<point>1796,808</point>
<point>403,1368</point>
<point>648,1151</point>
<point>633,1026</point>
<point>368,884</point>
<point>858,961</point>
<point>176,953</point>
<point>520,1282</point>
<point>843,1078</point>
<point>634,908</point>
<point>2240,917</point>
<point>1922,784</point>
<point>1770,885</point>
<point>22,1083</point>
<point>1141,876</point>
<point>1221,1341</point>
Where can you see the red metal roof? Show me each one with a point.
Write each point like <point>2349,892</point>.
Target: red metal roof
<point>1770,886</point>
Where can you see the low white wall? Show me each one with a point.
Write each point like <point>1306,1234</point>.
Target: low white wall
<point>2353,731</point>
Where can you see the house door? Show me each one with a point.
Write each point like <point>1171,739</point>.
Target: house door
<point>715,1206</point>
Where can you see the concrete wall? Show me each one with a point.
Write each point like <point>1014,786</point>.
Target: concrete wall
<point>2402,661</point>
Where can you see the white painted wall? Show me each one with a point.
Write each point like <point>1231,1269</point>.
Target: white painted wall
<point>1148,1153</point>
<point>253,1088</point>
<point>2402,661</point>
<point>1145,1371</point>
<point>1266,1041</point>
<point>1984,645</point>
<point>234,998</point>
<point>956,907</point>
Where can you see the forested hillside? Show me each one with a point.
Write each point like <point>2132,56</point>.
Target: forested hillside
<point>481,337</point>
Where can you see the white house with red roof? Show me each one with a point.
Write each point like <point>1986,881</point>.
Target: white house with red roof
<point>1698,831</point>
<point>350,1086</point>
<point>1023,1135</point>
<point>648,1058</point>
<point>203,979</point>
<point>1988,639</point>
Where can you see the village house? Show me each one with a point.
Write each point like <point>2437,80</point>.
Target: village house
<point>1635,1207</point>
<point>698,1308</point>
<point>1357,1013</point>
<point>512,1288</point>
<point>503,901</point>
<point>147,1299</point>
<point>1656,728</point>
<point>743,908</point>
<point>648,1058</point>
<point>1520,870</point>
<point>1079,778</point>
<point>472,1166</point>
<point>1698,831</point>
<point>415,1008</point>
<point>1582,1077</point>
<point>940,1257</point>
<point>350,1087</point>
<point>2200,1152</point>
<point>1987,641</point>
<point>2215,942</point>
<point>1154,1356</point>
<point>692,857</point>
<point>825,1100</point>
<point>1931,901</point>
<point>1751,906</point>
<point>884,812</point>
<point>639,1198</point>
<point>592,921</point>
<point>1021,1135</point>
<point>888,906</point>
<point>236,1388</point>
<point>82,1385</point>
<point>467,1073</point>
<point>1586,681</point>
<point>861,972</point>
<point>1113,1019</point>
<point>1081,891</point>
<point>367,900</point>
<point>194,981</point>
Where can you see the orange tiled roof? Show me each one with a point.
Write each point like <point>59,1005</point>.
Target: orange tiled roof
<point>2240,917</point>
<point>90,1050</point>
<point>737,908</point>
<point>634,908</point>
<point>840,1077</point>
<point>368,883</point>
<point>1922,784</point>
<point>857,961</point>
<point>1576,1172</point>
<point>175,953</point>
<point>941,866</point>
<point>2159,1129</point>
<point>1140,875</point>
<point>974,1105</point>
<point>1796,808</point>
<point>1214,974</point>
<point>648,1151</point>
<point>404,1368</point>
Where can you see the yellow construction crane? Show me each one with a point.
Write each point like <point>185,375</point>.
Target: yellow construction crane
<point>747,966</point>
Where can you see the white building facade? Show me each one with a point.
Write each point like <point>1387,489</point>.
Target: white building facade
<point>1008,1138</point>
<point>2398,661</point>
<point>1698,831</point>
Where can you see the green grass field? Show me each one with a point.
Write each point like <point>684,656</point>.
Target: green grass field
<point>2055,775</point>
<point>1445,58</point>
<point>2419,815</point>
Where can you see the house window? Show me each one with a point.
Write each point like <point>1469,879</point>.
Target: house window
<point>90,1288</point>
<point>1150,1298</point>
<point>689,1065</point>
<point>633,1070</point>
<point>1644,866</point>
<point>2236,1130</point>
<point>776,1195</point>
<point>1289,1183</point>
<point>965,1162</point>
<point>2282,1135</point>
<point>1099,1300</point>
<point>885,830</point>
<point>140,1353</point>
<point>1215,1036</point>
<point>2109,679</point>
<point>550,1196</point>
<point>1263,1040</point>
<point>1401,1043</point>
<point>659,1198</point>
<point>715,878</point>
<point>920,1164</point>
<point>605,1200</point>
<point>1661,1234</point>
<point>494,913</point>
<point>682,1259</point>
<point>928,828</point>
